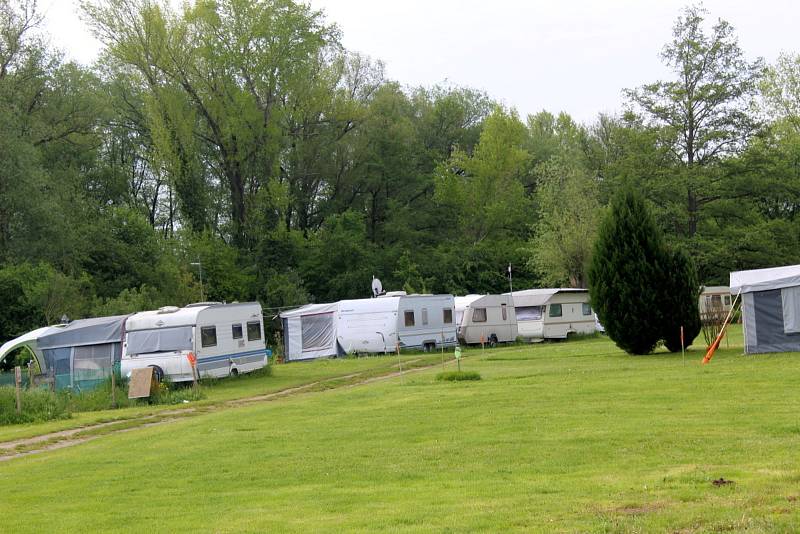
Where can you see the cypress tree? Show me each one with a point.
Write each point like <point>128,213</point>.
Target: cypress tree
<point>681,291</point>
<point>626,274</point>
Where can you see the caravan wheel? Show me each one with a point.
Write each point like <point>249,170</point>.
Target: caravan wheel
<point>234,372</point>
<point>158,373</point>
<point>493,340</point>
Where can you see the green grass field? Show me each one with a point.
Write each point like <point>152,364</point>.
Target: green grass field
<point>565,437</point>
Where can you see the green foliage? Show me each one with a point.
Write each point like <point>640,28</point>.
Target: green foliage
<point>679,303</point>
<point>458,376</point>
<point>38,405</point>
<point>568,217</point>
<point>627,273</point>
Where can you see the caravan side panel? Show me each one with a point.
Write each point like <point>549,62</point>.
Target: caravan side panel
<point>426,320</point>
<point>575,315</point>
<point>237,333</point>
<point>367,325</point>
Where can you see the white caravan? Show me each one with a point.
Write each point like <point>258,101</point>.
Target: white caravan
<point>425,321</point>
<point>486,318</point>
<point>553,313</point>
<point>226,339</point>
<point>375,325</point>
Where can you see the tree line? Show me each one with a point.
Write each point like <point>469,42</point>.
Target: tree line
<point>241,138</point>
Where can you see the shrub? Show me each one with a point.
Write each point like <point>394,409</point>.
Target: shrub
<point>38,405</point>
<point>457,376</point>
<point>680,308</point>
<point>626,273</point>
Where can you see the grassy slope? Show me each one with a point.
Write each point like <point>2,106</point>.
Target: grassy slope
<point>284,377</point>
<point>564,437</point>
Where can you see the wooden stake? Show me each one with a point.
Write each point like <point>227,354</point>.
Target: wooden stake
<point>113,386</point>
<point>18,386</point>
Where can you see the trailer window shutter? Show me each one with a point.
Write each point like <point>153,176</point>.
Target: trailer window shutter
<point>791,309</point>
<point>409,317</point>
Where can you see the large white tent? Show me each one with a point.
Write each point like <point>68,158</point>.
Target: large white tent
<point>770,308</point>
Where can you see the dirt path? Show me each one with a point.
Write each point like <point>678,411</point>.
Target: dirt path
<point>75,436</point>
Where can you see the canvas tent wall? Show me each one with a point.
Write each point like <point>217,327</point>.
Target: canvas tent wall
<point>485,318</point>
<point>79,354</point>
<point>770,308</point>
<point>309,332</point>
<point>553,313</point>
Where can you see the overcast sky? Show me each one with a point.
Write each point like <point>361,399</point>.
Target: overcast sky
<point>572,55</point>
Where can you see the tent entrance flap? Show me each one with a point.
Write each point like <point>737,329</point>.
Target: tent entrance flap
<point>317,331</point>
<point>790,297</point>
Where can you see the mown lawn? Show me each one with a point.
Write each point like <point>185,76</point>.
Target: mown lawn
<point>284,376</point>
<point>564,437</point>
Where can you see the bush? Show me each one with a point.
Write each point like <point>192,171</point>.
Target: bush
<point>457,376</point>
<point>680,302</point>
<point>38,405</point>
<point>626,274</point>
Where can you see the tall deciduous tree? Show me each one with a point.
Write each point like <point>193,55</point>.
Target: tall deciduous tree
<point>704,110</point>
<point>568,215</point>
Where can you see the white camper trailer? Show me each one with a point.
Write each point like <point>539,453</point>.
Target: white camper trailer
<point>226,339</point>
<point>553,313</point>
<point>486,318</point>
<point>425,321</point>
<point>376,325</point>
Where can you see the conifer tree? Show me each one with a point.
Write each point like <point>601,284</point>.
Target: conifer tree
<point>627,273</point>
<point>681,291</point>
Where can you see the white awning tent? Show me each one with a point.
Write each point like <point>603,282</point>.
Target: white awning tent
<point>309,332</point>
<point>770,308</point>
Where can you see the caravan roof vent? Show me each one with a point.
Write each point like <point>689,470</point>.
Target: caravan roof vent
<point>394,294</point>
<point>168,309</point>
<point>198,304</point>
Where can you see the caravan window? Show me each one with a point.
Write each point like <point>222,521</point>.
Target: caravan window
<point>447,316</point>
<point>529,313</point>
<point>409,317</point>
<point>587,308</point>
<point>236,331</point>
<point>555,310</point>
<point>504,312</point>
<point>424,316</point>
<point>208,336</point>
<point>727,300</point>
<point>253,331</point>
<point>160,340</point>
<point>479,315</point>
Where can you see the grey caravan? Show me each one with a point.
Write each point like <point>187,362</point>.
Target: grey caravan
<point>486,318</point>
